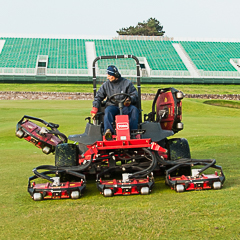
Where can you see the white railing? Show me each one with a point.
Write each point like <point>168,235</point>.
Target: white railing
<point>146,38</point>
<point>124,72</point>
<point>50,71</point>
<point>169,73</point>
<point>17,71</point>
<point>219,74</point>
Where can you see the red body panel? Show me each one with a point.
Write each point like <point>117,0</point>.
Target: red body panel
<point>167,102</point>
<point>35,138</point>
<point>122,127</point>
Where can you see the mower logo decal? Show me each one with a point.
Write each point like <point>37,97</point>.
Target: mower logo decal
<point>122,126</point>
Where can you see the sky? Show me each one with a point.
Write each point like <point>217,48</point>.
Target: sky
<point>184,19</point>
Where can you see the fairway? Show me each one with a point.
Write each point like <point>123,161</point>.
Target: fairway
<point>212,132</point>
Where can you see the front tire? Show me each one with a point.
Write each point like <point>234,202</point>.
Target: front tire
<point>66,155</point>
<point>179,148</point>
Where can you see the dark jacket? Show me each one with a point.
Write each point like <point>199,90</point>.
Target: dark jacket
<point>122,85</point>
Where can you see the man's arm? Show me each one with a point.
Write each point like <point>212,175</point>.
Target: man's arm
<point>97,100</point>
<point>132,91</point>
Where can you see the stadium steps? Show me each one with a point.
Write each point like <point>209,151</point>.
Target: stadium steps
<point>186,60</point>
<point>235,63</point>
<point>91,55</point>
<point>2,42</point>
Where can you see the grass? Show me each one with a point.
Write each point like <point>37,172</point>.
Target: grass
<point>146,88</point>
<point>212,132</point>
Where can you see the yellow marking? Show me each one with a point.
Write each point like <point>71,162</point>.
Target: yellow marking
<point>165,99</point>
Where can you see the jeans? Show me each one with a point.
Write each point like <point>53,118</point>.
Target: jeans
<point>111,111</point>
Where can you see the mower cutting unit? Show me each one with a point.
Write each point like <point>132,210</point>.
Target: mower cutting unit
<point>55,189</point>
<point>41,137</point>
<point>125,164</point>
<point>198,180</point>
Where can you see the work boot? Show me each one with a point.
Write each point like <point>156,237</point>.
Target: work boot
<point>108,134</point>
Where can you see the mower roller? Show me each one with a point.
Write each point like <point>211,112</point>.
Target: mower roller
<point>124,165</point>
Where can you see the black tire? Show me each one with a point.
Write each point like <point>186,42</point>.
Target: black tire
<point>179,148</point>
<point>66,155</point>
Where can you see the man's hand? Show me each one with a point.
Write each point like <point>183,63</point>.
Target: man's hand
<point>127,102</point>
<point>94,112</point>
<point>93,115</point>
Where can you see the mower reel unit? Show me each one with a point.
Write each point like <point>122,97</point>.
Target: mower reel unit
<point>125,163</point>
<point>54,189</point>
<point>126,186</point>
<point>198,180</point>
<point>41,137</point>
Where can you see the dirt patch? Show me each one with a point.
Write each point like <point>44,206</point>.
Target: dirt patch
<point>9,95</point>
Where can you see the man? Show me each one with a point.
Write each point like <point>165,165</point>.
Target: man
<point>116,84</point>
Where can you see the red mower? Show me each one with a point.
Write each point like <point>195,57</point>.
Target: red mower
<point>125,164</point>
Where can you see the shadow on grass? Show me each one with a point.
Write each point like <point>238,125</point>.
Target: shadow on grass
<point>223,103</point>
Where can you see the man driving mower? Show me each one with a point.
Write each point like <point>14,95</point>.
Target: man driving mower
<point>116,84</point>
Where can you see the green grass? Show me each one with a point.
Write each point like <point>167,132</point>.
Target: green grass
<point>212,132</point>
<point>146,88</point>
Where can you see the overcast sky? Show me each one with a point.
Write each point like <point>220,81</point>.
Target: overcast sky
<point>210,19</point>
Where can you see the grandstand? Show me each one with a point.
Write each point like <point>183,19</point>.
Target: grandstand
<point>161,61</point>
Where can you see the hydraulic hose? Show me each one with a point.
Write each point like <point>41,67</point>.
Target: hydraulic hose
<point>151,166</point>
<point>70,170</point>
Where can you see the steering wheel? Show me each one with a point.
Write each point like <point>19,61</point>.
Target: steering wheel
<point>115,101</point>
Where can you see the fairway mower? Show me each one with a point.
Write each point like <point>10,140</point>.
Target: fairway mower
<point>126,164</point>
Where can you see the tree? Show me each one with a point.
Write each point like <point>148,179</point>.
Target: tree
<point>150,28</point>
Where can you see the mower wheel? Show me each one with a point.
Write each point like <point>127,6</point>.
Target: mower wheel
<point>46,150</point>
<point>75,194</point>
<point>217,185</point>
<point>107,192</point>
<point>20,133</point>
<point>37,197</point>
<point>145,190</point>
<point>179,188</point>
